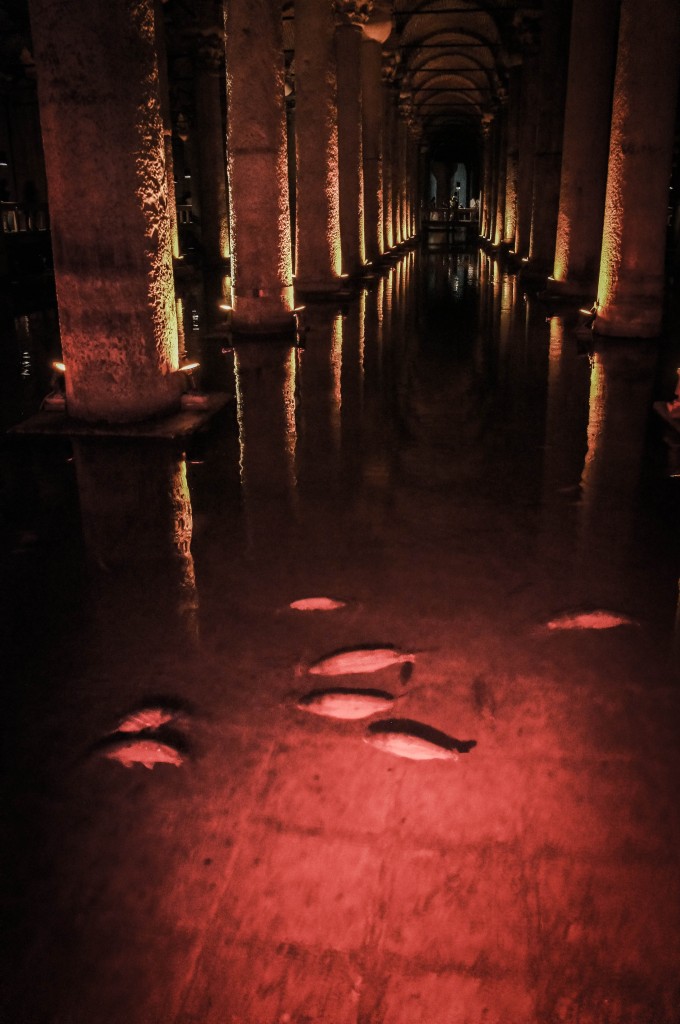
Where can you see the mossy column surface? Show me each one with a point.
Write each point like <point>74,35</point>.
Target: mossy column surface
<point>631,284</point>
<point>318,256</point>
<point>102,127</point>
<point>258,167</point>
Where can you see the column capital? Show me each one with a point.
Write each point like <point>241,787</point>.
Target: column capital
<point>353,12</point>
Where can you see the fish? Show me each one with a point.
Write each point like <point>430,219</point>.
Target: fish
<point>599,618</point>
<point>317,604</point>
<point>141,750</point>
<point>147,718</point>
<point>345,703</point>
<point>358,659</point>
<point>416,741</point>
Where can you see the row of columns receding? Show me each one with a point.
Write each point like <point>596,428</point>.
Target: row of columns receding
<point>103,97</point>
<point>577,164</point>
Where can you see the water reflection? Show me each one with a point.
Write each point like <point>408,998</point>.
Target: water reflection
<point>137,526</point>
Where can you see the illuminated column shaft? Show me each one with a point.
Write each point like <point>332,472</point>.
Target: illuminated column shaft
<point>631,285</point>
<point>486,180</point>
<point>493,176</point>
<point>587,118</point>
<point>371,91</point>
<point>167,124</point>
<point>525,155</point>
<point>512,158</point>
<point>108,205</point>
<point>258,174</point>
<point>211,149</point>
<point>388,194</point>
<point>397,183</point>
<point>317,254</point>
<point>348,38</point>
<point>501,168</point>
<point>549,130</point>
<point>403,186</point>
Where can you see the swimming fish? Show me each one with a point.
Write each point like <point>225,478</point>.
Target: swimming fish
<point>597,619</point>
<point>142,750</point>
<point>358,659</point>
<point>317,604</point>
<point>345,703</point>
<point>413,747</point>
<point>405,737</point>
<point>147,718</point>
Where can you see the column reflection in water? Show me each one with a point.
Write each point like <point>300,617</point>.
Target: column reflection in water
<point>137,526</point>
<point>565,440</point>
<point>266,382</point>
<point>620,395</point>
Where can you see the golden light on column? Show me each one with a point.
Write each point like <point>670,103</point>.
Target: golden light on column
<point>336,367</point>
<point>289,393</point>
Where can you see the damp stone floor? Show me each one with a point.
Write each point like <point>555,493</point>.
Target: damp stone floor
<point>478,486</point>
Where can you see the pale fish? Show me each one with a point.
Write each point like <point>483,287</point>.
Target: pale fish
<point>414,740</point>
<point>597,619</point>
<point>317,604</point>
<point>346,703</point>
<point>147,718</point>
<point>413,747</point>
<point>142,750</point>
<point>358,659</point>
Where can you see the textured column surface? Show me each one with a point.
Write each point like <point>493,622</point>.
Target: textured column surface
<point>389,236</point>
<point>630,290</point>
<point>212,157</point>
<point>587,119</point>
<point>258,171</point>
<point>501,169</point>
<point>512,157</point>
<point>348,44</point>
<point>549,129</point>
<point>526,149</point>
<point>166,114</point>
<point>318,258</point>
<point>484,219</point>
<point>105,157</point>
<point>371,92</point>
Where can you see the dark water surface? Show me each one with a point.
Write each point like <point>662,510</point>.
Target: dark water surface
<point>459,469</point>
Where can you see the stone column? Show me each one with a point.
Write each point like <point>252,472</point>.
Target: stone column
<point>389,237</point>
<point>501,169</point>
<point>549,129</point>
<point>512,157</point>
<point>167,124</point>
<point>526,142</point>
<point>258,173</point>
<point>348,43</point>
<point>371,92</point>
<point>484,220</point>
<point>317,252</point>
<point>631,285</point>
<point>210,138</point>
<point>105,158</point>
<point>587,118</point>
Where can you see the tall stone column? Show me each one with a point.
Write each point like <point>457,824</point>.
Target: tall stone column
<point>389,237</point>
<point>501,169</point>
<point>487,151</point>
<point>512,157</point>
<point>167,124</point>
<point>587,119</point>
<point>371,92</point>
<point>526,140</point>
<point>210,138</point>
<point>348,37</point>
<point>108,199</point>
<point>257,166</point>
<point>549,130</point>
<point>631,285</point>
<point>318,259</point>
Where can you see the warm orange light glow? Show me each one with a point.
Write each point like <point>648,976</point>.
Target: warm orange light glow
<point>226,307</point>
<point>188,367</point>
<point>59,367</point>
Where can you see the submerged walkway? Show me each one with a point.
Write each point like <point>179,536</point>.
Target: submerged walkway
<point>444,461</point>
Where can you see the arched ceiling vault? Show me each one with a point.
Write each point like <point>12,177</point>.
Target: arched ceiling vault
<point>454,57</point>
